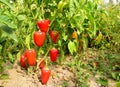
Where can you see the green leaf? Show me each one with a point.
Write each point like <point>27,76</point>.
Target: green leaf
<point>4,76</point>
<point>65,37</point>
<point>18,55</point>
<point>71,7</point>
<point>4,19</point>
<point>103,81</point>
<point>6,29</point>
<point>21,17</point>
<point>11,58</point>
<point>6,3</point>
<point>72,47</point>
<point>9,31</point>
<point>89,3</point>
<point>1,49</point>
<point>113,75</point>
<point>118,84</point>
<point>1,62</point>
<point>65,84</point>
<point>27,41</point>
<point>3,36</point>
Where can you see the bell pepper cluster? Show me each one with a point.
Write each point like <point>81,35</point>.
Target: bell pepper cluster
<point>28,58</point>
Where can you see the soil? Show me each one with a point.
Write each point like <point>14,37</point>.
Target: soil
<point>19,78</point>
<point>61,76</point>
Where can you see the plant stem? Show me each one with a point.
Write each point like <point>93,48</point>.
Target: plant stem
<point>47,52</point>
<point>39,61</point>
<point>46,63</point>
<point>39,52</point>
<point>42,8</point>
<point>54,18</point>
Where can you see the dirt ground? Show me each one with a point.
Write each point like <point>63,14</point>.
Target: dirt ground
<point>19,78</point>
<point>59,76</point>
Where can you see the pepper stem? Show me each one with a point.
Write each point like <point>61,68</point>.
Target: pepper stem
<point>46,63</point>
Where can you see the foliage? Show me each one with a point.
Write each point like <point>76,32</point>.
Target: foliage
<point>118,84</point>
<point>99,65</point>
<point>102,81</point>
<point>113,67</point>
<point>114,25</point>
<point>65,84</point>
<point>85,17</point>
<point>7,32</point>
<point>81,75</point>
<point>105,65</point>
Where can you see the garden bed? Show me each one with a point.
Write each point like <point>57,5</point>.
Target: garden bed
<point>62,75</point>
